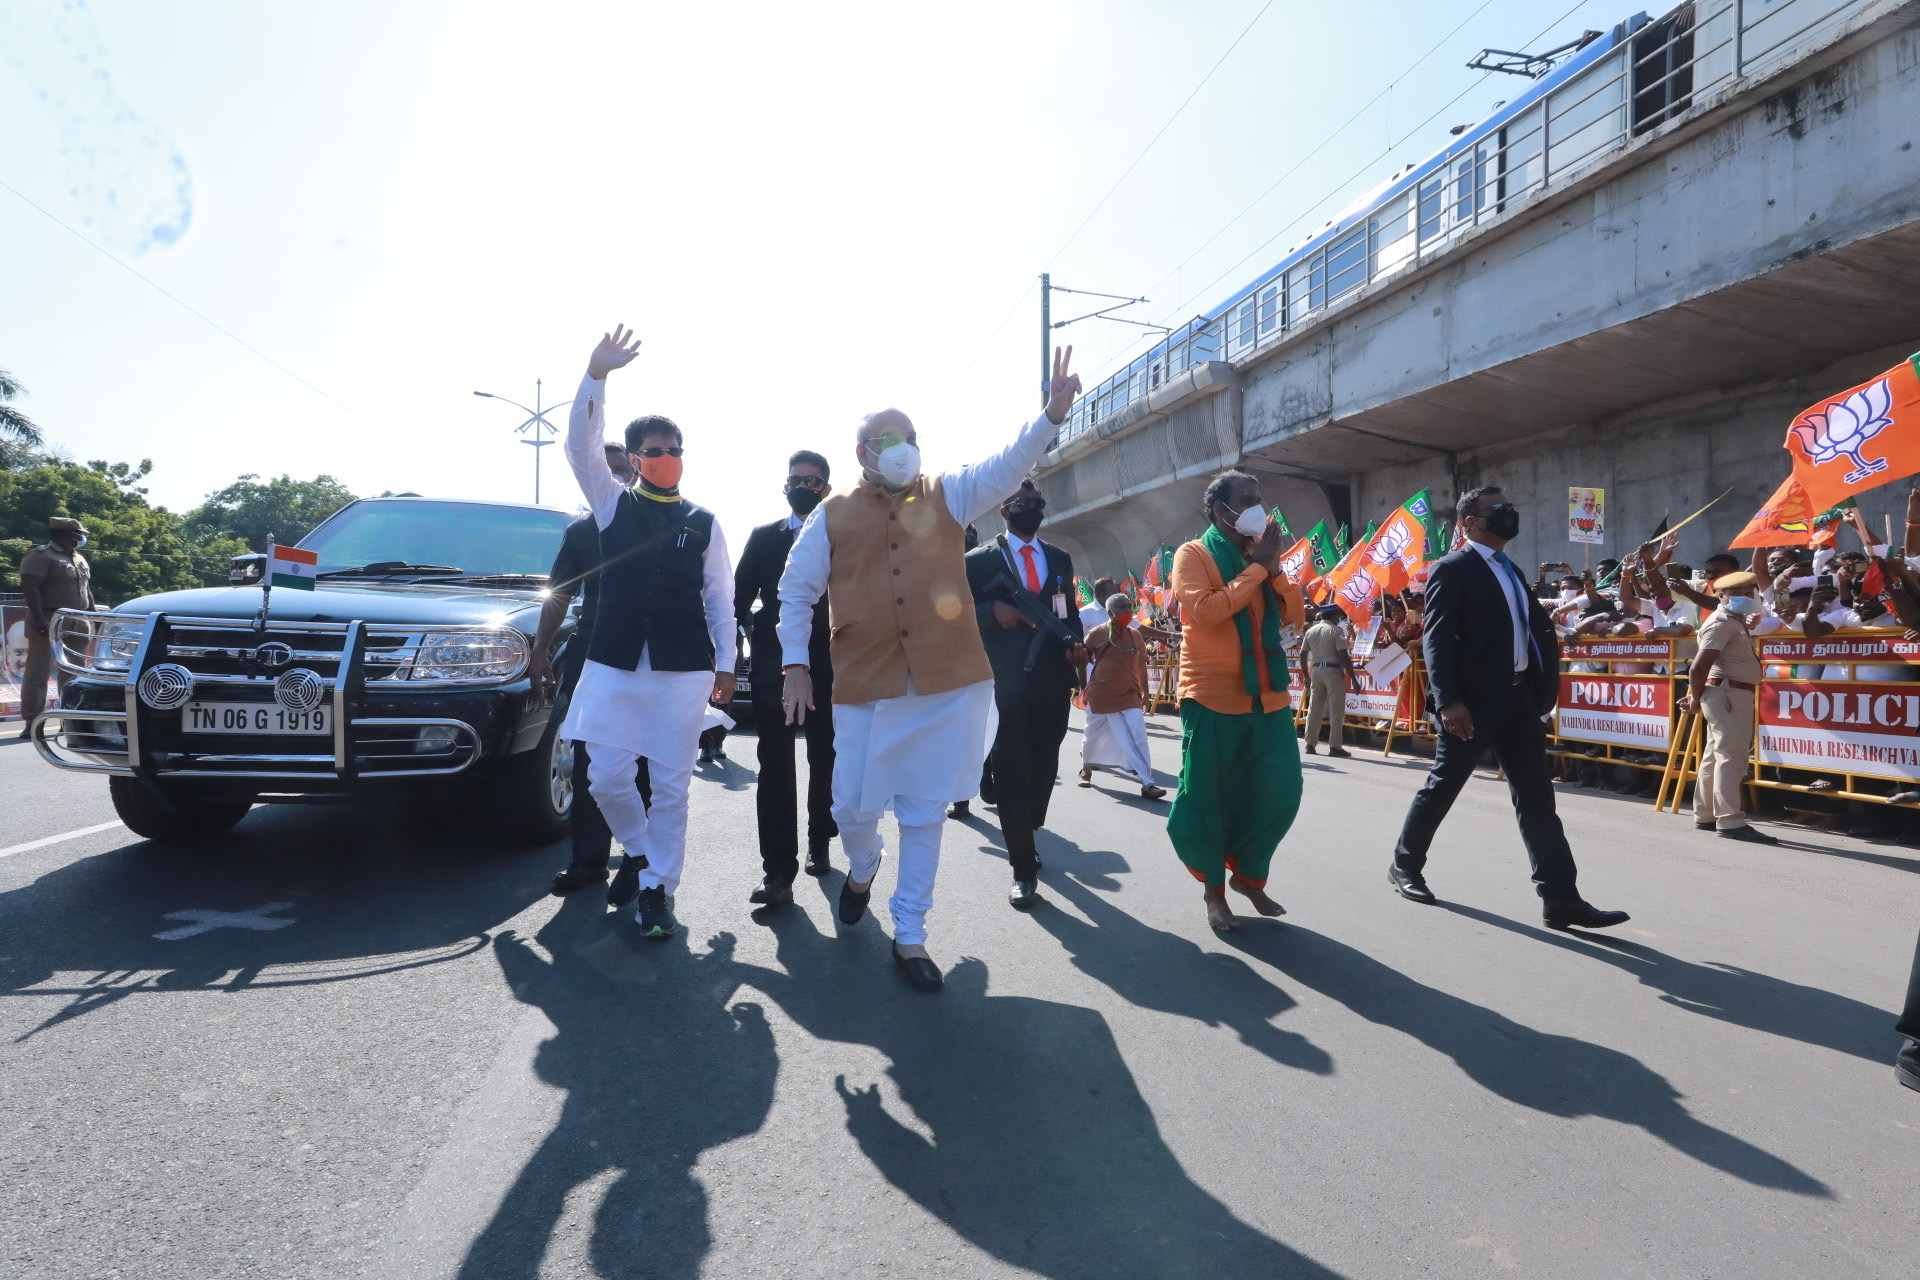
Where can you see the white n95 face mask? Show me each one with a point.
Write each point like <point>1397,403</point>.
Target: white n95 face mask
<point>1252,522</point>
<point>898,464</point>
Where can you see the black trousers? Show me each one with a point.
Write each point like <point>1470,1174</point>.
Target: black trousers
<point>592,838</point>
<point>776,800</point>
<point>1519,743</point>
<point>1025,762</point>
<point>1909,1024</point>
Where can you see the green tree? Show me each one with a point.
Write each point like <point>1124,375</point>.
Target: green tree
<point>15,425</point>
<point>134,547</point>
<point>250,509</point>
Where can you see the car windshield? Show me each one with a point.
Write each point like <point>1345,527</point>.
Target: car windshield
<point>476,538</point>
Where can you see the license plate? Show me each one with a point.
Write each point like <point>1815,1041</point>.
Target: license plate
<point>254,717</point>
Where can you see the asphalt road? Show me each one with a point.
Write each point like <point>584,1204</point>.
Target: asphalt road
<point>337,1045</point>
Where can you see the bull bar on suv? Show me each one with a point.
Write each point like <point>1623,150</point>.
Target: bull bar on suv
<point>161,662</point>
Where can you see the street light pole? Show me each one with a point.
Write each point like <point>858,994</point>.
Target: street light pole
<point>536,421</point>
<point>1046,338</point>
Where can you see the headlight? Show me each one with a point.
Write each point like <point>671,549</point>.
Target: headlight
<point>100,644</point>
<point>470,655</point>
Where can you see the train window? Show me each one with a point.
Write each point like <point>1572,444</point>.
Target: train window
<point>1297,295</point>
<point>1153,374</point>
<point>1317,281</point>
<point>1269,310</point>
<point>1243,336</point>
<point>1347,261</point>
<point>1429,211</point>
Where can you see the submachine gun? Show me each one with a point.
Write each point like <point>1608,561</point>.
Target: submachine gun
<point>1045,622</point>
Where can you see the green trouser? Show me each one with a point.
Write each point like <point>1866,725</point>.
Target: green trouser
<point>1239,791</point>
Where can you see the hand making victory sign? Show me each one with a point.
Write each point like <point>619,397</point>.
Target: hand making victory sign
<point>1063,387</point>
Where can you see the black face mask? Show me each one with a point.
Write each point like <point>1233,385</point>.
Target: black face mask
<point>1026,522</point>
<point>1503,522</point>
<point>803,501</point>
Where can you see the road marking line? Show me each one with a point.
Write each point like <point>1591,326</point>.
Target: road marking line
<point>259,919</point>
<point>71,835</point>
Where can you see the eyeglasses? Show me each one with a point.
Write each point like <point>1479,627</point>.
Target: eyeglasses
<point>1027,504</point>
<point>806,482</point>
<point>673,451</point>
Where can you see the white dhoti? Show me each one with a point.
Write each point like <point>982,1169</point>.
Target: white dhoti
<point>1116,742</point>
<point>625,716</point>
<point>913,754</point>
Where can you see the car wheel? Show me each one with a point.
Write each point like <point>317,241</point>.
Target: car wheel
<point>169,814</point>
<point>532,793</point>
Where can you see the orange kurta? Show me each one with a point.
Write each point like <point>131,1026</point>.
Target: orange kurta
<point>1211,672</point>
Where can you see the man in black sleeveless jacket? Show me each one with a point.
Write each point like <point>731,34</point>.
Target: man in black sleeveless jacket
<point>663,644</point>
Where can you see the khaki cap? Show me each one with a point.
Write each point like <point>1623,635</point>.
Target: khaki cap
<point>1735,581</point>
<point>66,524</point>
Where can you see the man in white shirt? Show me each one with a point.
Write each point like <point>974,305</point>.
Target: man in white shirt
<point>913,691</point>
<point>663,644</point>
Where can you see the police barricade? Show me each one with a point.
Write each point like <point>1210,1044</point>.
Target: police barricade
<point>1617,701</point>
<point>1839,716</point>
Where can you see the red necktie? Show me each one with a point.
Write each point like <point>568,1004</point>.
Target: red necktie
<point>1033,579</point>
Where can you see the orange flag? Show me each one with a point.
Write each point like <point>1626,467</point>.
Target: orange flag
<point>1786,520</point>
<point>1297,564</point>
<point>1386,563</point>
<point>1859,440</point>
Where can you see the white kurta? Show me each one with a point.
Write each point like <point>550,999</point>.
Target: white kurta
<point>926,746</point>
<point>656,714</point>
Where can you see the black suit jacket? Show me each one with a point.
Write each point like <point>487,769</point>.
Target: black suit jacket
<point>990,577</point>
<point>1469,641</point>
<point>756,577</point>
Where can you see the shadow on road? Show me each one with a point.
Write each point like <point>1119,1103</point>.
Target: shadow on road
<point>1043,1152</point>
<point>1165,972</point>
<point>291,897</point>
<point>1729,993</point>
<point>658,1066</point>
<point>1553,1074</point>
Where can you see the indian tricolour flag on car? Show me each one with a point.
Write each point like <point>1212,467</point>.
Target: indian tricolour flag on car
<point>291,567</point>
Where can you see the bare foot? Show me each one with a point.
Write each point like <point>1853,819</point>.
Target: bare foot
<point>1258,897</point>
<point>1086,777</point>
<point>1219,916</point>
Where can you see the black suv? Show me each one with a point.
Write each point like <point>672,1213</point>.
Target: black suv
<point>406,668</point>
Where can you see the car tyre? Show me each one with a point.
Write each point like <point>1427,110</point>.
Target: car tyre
<point>531,794</point>
<point>169,815</point>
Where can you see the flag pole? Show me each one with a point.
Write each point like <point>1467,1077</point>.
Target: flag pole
<point>266,588</point>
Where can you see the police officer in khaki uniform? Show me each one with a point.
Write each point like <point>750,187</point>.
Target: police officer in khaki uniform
<point>1725,675</point>
<point>53,575</point>
<point>1325,666</point>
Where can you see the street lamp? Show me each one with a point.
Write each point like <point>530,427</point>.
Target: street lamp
<point>536,422</point>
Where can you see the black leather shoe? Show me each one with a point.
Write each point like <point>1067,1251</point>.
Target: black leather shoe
<point>1749,835</point>
<point>923,973</point>
<point>1906,1067</point>
<point>1410,885</point>
<point>854,905</point>
<point>1340,753</point>
<point>818,863</point>
<point>772,893</point>
<point>1703,826</point>
<point>1583,915</point>
<point>574,879</point>
<point>959,809</point>
<point>626,881</point>
<point>1023,895</point>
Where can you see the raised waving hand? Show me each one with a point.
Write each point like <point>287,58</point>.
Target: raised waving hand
<point>1063,388</point>
<point>616,350</point>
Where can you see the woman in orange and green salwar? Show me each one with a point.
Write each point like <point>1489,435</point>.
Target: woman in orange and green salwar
<point>1239,755</point>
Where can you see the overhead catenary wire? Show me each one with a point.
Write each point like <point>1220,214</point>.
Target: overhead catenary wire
<point>201,316</point>
<point>1101,203</point>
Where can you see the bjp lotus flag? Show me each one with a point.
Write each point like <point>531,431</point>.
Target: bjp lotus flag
<point>1784,520</point>
<point>1860,439</point>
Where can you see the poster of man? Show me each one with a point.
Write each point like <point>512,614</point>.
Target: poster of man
<point>13,663</point>
<point>1587,516</point>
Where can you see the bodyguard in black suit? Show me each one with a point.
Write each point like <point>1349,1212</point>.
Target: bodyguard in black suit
<point>776,801</point>
<point>1493,671</point>
<point>1030,623</point>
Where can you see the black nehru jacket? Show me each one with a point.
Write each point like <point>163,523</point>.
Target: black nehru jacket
<point>757,577</point>
<point>576,571</point>
<point>652,569</point>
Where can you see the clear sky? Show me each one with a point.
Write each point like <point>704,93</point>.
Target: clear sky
<point>807,212</point>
